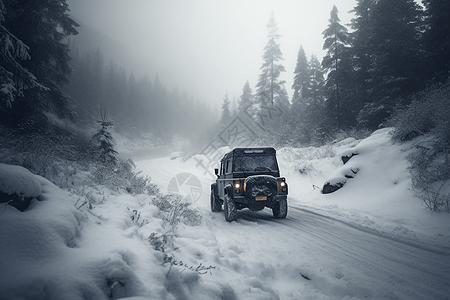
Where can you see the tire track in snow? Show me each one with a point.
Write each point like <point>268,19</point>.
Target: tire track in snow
<point>342,258</point>
<point>395,267</point>
<point>430,246</point>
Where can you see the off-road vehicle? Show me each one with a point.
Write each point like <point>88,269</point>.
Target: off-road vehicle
<point>249,178</point>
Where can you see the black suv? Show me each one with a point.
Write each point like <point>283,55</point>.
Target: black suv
<point>249,178</point>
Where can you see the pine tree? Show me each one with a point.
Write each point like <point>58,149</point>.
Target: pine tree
<point>104,139</point>
<point>336,39</point>
<point>226,113</point>
<point>316,81</point>
<point>360,52</point>
<point>246,99</point>
<point>301,77</point>
<point>283,104</point>
<point>307,113</point>
<point>269,86</point>
<point>43,27</point>
<point>315,114</point>
<point>437,39</point>
<point>395,44</point>
<point>14,77</point>
<point>387,55</point>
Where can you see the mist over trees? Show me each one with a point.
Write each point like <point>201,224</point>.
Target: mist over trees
<point>226,110</point>
<point>43,72</point>
<point>391,50</point>
<point>137,105</point>
<point>269,86</point>
<point>34,60</point>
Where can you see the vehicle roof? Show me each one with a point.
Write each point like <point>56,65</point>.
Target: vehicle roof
<point>249,152</point>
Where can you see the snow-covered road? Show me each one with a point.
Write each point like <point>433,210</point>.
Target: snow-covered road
<point>311,254</point>
<point>345,260</point>
<point>372,239</point>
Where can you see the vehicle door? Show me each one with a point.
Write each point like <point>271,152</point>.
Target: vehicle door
<point>225,176</point>
<point>221,180</point>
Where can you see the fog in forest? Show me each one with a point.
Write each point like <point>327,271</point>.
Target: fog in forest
<point>205,47</point>
<point>188,75</point>
<point>149,149</point>
<point>188,57</point>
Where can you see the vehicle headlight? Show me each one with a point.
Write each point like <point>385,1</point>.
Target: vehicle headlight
<point>282,186</point>
<point>237,187</point>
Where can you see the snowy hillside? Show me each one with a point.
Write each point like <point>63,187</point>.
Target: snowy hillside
<point>371,239</point>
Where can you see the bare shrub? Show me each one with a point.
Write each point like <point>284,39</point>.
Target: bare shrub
<point>430,175</point>
<point>89,195</point>
<point>430,167</point>
<point>136,217</point>
<point>174,211</point>
<point>122,175</point>
<point>427,113</point>
<point>53,154</point>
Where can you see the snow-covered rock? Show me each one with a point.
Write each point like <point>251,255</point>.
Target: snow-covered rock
<point>18,186</point>
<point>175,155</point>
<point>339,178</point>
<point>365,151</point>
<point>345,157</point>
<point>18,180</point>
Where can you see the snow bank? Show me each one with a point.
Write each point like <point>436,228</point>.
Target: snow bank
<point>41,257</point>
<point>18,180</point>
<point>382,166</point>
<point>56,251</point>
<point>377,197</point>
<point>35,244</point>
<point>329,246</point>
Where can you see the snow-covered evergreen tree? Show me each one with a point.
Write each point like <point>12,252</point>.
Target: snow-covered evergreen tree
<point>301,75</point>
<point>437,39</point>
<point>104,139</point>
<point>36,30</point>
<point>14,78</point>
<point>246,98</point>
<point>336,38</point>
<point>269,85</point>
<point>387,55</point>
<point>316,81</point>
<point>226,113</point>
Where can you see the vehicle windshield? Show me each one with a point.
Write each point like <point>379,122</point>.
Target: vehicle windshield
<point>255,163</point>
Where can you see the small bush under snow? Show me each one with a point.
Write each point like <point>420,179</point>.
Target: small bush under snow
<point>18,180</point>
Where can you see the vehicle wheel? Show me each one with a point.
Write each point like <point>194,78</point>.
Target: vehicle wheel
<point>216,206</point>
<point>229,209</point>
<point>280,209</point>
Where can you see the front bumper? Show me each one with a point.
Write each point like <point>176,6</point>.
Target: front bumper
<point>251,202</point>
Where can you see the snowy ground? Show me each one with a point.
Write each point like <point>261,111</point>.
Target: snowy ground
<point>369,240</point>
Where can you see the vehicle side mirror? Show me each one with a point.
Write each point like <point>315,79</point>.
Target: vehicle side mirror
<point>216,171</point>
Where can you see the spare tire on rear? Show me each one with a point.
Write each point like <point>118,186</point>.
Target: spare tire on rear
<point>261,185</point>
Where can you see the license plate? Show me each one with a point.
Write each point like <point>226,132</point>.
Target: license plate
<point>260,198</point>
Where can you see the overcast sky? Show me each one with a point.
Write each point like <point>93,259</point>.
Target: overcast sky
<point>209,47</point>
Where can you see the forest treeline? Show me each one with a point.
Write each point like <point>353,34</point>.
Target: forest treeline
<point>137,105</point>
<point>42,72</point>
<point>392,50</point>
